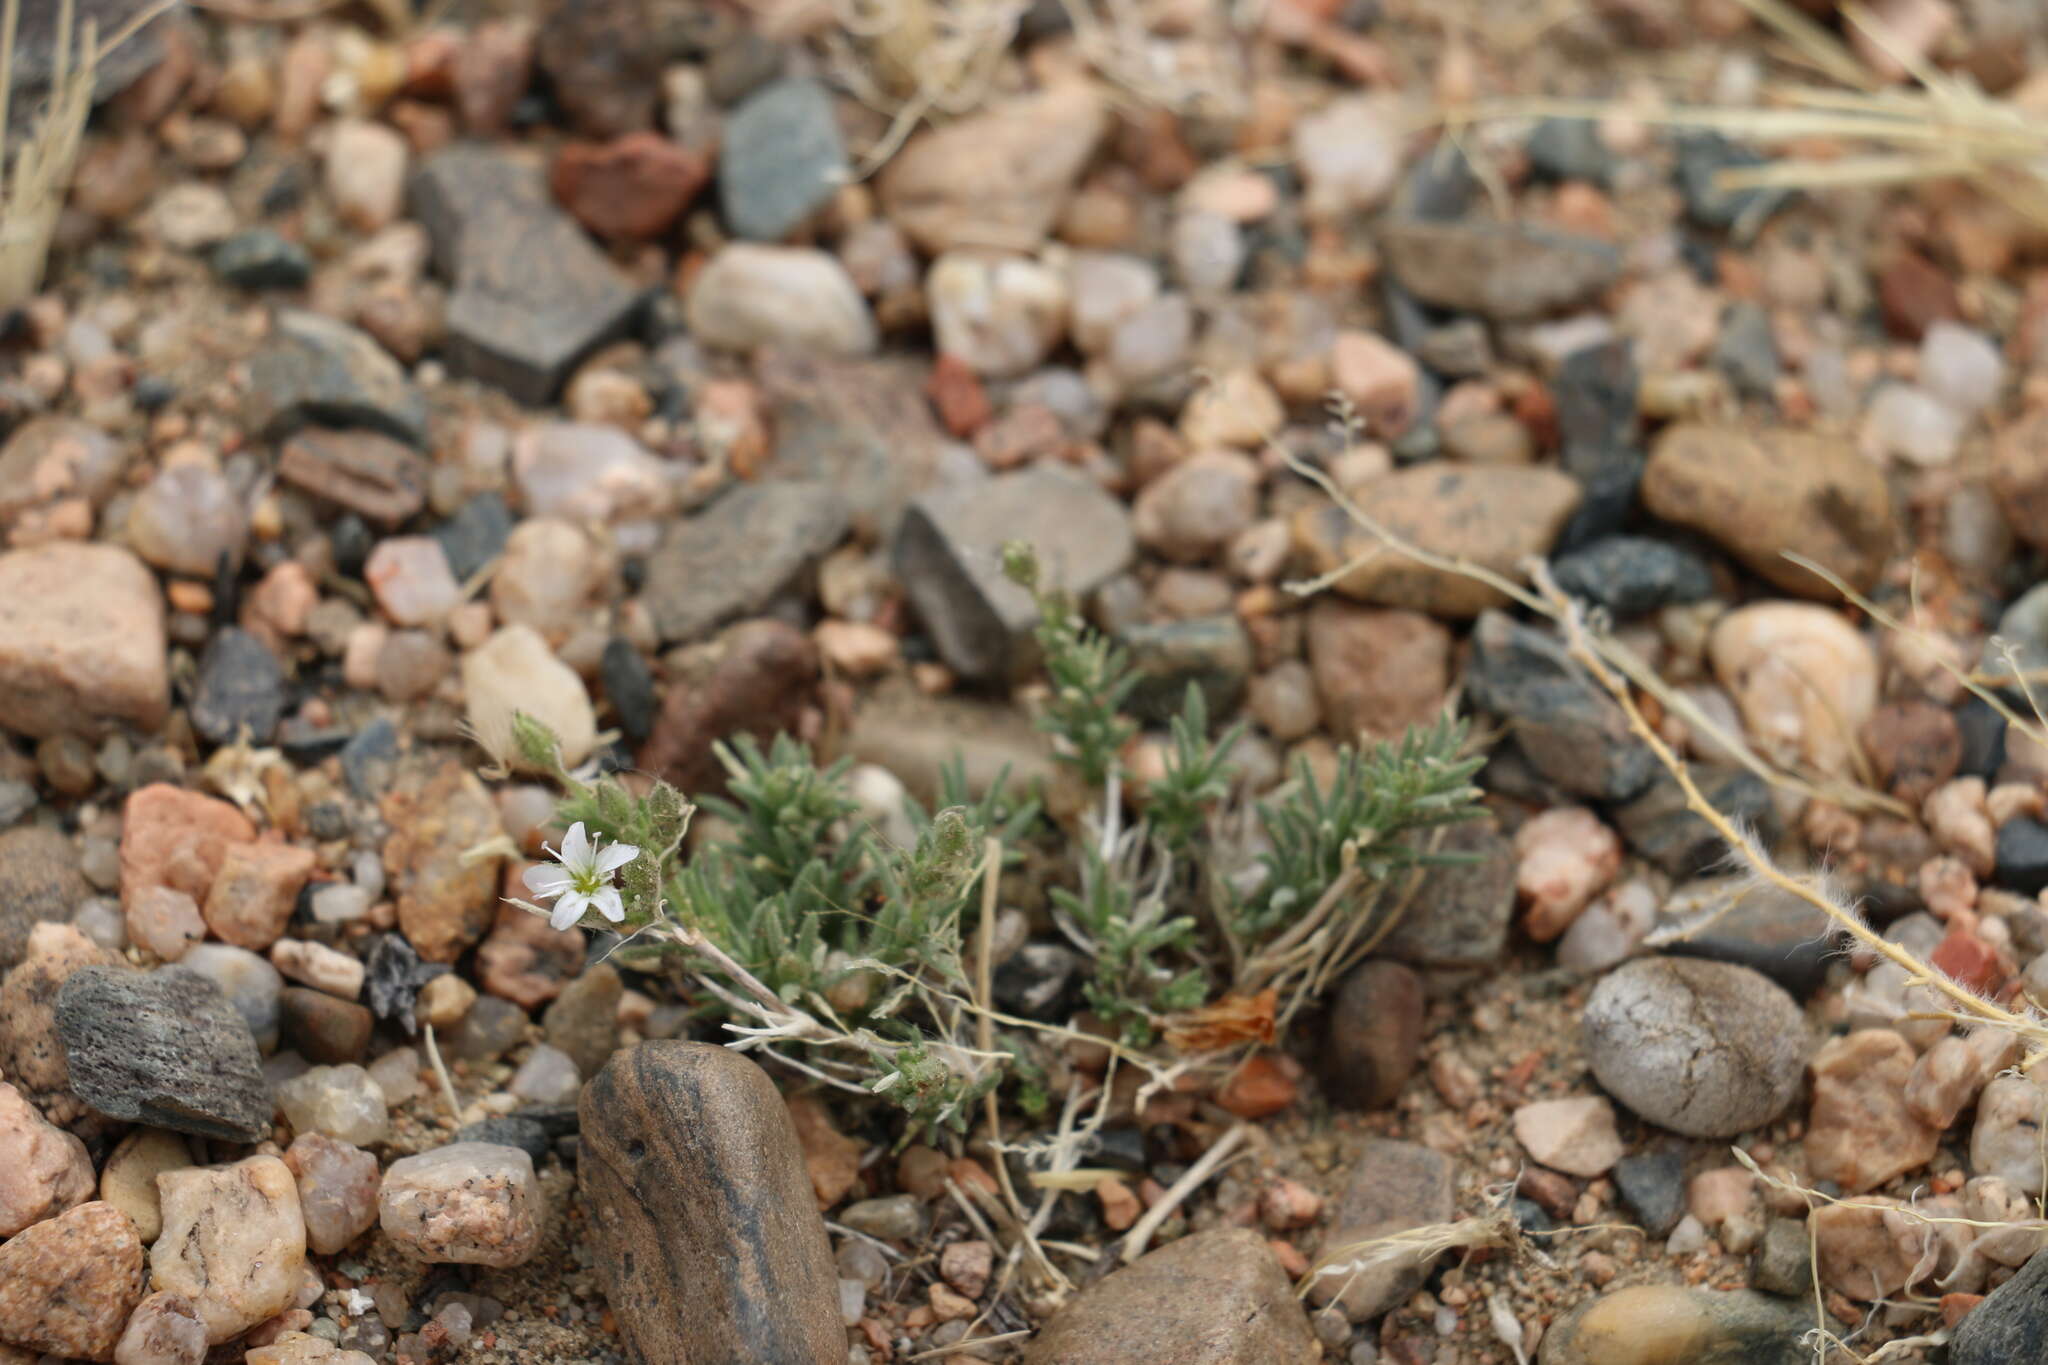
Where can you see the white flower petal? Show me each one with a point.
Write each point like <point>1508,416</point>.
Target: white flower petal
<point>610,860</point>
<point>609,904</point>
<point>576,848</point>
<point>545,879</point>
<point>569,910</point>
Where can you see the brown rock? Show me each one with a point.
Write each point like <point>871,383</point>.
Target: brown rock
<point>1495,518</point>
<point>2019,477</point>
<point>601,57</point>
<point>39,880</point>
<point>764,674</point>
<point>81,640</point>
<point>831,1157</point>
<point>253,892</point>
<point>584,1020</point>
<point>1915,747</point>
<point>996,178</point>
<point>1915,294</point>
<point>526,961</point>
<point>1213,1298</point>
<point>437,814</point>
<point>43,1169</point>
<point>1374,1034</point>
<point>709,1243</point>
<point>1395,1186</point>
<point>1758,496</point>
<point>175,838</point>
<point>68,1284</point>
<point>233,1242</point>
<point>1860,1133</point>
<point>632,188</point>
<point>491,71</point>
<point>382,480</point>
<point>31,1054</point>
<point>326,1031</point>
<point>1377,670</point>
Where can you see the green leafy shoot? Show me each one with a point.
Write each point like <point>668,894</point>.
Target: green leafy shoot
<point>1374,800</point>
<point>1090,677</point>
<point>1198,774</point>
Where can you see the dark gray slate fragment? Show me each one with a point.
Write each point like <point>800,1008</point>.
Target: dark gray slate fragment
<point>949,556</point>
<point>314,370</point>
<point>506,1130</point>
<point>1568,727</point>
<point>734,557</point>
<point>1760,927</point>
<point>629,686</point>
<point>240,689</point>
<point>2011,1325</point>
<point>781,160</point>
<point>261,258</point>
<point>1631,575</point>
<point>475,535</point>
<point>532,294</point>
<point>163,1048</point>
<point>1659,826</point>
<point>1653,1184</point>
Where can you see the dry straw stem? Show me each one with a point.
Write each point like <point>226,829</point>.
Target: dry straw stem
<point>1945,128</point>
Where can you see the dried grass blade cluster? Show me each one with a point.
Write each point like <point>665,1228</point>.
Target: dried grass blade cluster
<point>1943,128</point>
<point>33,181</point>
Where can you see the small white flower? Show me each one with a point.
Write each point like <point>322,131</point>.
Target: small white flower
<point>581,876</point>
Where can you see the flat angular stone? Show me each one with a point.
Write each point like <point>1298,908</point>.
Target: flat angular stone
<point>733,558</point>
<point>1505,272</point>
<point>379,479</point>
<point>81,641</point>
<point>862,426</point>
<point>708,1239</point>
<point>315,370</point>
<point>781,159</point>
<point>950,549</point>
<point>510,323</point>
<point>1570,730</point>
<point>163,1048</point>
<point>1213,1298</point>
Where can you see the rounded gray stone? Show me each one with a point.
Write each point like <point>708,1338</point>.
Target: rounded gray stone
<point>1708,1049</point>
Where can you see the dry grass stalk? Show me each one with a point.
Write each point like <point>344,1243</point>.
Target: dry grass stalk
<point>1944,128</point>
<point>40,169</point>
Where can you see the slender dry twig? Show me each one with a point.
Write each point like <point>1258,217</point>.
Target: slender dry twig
<point>441,1074</point>
<point>1191,1179</point>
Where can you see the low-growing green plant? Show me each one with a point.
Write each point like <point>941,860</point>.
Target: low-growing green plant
<point>851,957</point>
